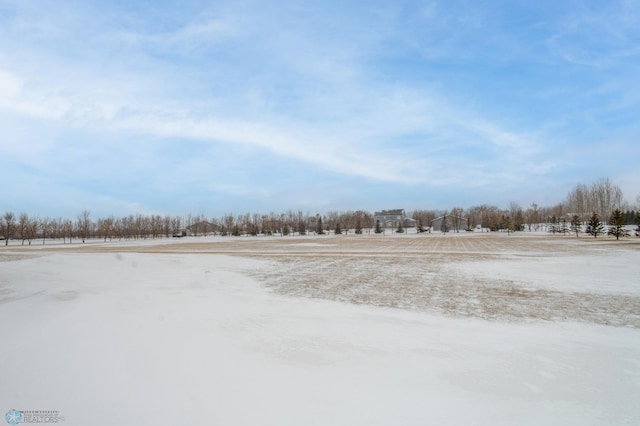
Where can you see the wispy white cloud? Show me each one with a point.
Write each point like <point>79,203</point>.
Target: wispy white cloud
<point>353,146</point>
<point>440,96</point>
<point>188,39</point>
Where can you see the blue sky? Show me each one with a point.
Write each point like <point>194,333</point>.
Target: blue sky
<point>125,107</point>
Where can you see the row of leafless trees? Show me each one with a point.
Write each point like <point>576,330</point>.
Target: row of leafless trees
<point>488,217</point>
<point>28,228</point>
<point>601,197</point>
<point>289,223</point>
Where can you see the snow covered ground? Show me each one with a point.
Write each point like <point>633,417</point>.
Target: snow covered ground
<point>402,330</point>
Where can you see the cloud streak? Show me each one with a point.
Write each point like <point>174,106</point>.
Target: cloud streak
<point>430,99</point>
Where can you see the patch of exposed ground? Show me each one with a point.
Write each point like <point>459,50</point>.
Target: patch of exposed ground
<point>435,285</point>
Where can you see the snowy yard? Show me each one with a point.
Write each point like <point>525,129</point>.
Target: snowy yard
<point>483,329</point>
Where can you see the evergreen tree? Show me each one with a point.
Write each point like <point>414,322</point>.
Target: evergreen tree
<point>444,226</point>
<point>506,224</point>
<point>400,229</point>
<point>358,226</point>
<point>595,226</point>
<point>616,225</point>
<point>575,224</point>
<point>563,227</point>
<point>553,228</point>
<point>319,229</point>
<point>638,223</point>
<point>629,217</point>
<point>519,221</point>
<point>378,229</point>
<point>338,230</point>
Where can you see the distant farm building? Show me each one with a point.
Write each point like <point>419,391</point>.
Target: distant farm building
<point>393,218</point>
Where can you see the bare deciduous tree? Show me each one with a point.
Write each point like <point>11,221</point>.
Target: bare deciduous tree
<point>228,222</point>
<point>8,227</point>
<point>84,224</point>
<point>45,226</point>
<point>457,218</point>
<point>23,225</point>
<point>105,227</point>
<point>602,198</point>
<point>575,225</point>
<point>533,217</point>
<point>31,229</point>
<point>166,226</point>
<point>67,230</point>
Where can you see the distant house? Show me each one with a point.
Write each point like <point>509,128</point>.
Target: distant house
<point>393,218</point>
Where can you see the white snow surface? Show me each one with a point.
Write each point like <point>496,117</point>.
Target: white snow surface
<point>129,338</point>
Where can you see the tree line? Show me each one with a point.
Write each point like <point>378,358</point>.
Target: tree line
<point>29,228</point>
<point>602,198</point>
<point>589,207</point>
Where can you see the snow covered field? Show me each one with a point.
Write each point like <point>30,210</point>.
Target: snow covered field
<point>465,329</point>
